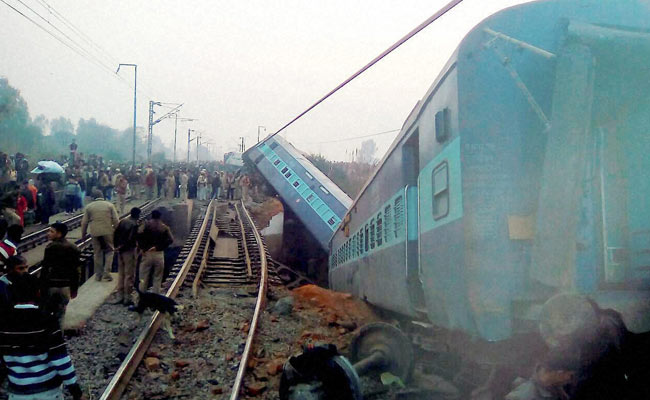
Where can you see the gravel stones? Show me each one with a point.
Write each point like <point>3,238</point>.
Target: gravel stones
<point>284,306</point>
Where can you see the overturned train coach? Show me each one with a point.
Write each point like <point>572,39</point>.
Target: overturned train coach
<point>521,174</point>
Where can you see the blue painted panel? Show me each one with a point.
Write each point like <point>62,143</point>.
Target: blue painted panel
<point>447,179</point>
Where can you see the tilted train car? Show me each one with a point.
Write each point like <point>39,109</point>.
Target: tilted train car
<point>312,196</point>
<point>522,173</point>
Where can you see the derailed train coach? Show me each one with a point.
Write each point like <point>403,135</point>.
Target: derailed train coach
<point>521,174</point>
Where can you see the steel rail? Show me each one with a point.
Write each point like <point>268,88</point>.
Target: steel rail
<point>259,307</point>
<point>204,258</point>
<point>249,270</point>
<point>120,380</point>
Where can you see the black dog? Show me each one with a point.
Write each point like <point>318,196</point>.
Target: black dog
<point>157,302</point>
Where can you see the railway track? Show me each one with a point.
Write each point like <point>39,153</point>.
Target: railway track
<point>198,267</point>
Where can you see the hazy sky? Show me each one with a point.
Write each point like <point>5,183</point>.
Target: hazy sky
<point>237,64</point>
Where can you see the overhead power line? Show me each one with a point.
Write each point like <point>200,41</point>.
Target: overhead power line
<point>105,61</point>
<point>356,137</point>
<point>375,60</point>
<point>79,47</point>
<point>79,52</point>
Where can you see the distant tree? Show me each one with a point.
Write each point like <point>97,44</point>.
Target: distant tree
<point>349,176</point>
<point>17,131</point>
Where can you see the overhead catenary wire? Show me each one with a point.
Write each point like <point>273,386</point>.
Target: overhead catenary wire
<point>69,42</point>
<point>356,137</point>
<point>79,52</point>
<point>80,47</point>
<point>375,60</point>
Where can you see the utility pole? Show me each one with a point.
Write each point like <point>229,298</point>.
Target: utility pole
<point>242,146</point>
<point>258,132</point>
<point>176,129</point>
<point>198,143</point>
<point>189,132</point>
<point>135,100</point>
<point>152,123</point>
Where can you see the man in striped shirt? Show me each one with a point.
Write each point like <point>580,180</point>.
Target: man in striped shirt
<point>32,345</point>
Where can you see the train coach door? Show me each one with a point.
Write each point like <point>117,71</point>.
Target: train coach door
<point>411,170</point>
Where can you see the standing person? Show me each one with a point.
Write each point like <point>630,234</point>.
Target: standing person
<point>153,239</point>
<point>21,207</point>
<point>183,186</point>
<point>71,192</point>
<point>125,244</point>
<point>245,183</point>
<point>150,181</point>
<point>100,218</point>
<point>104,183</point>
<point>47,202</point>
<point>73,151</point>
<point>34,190</point>
<point>134,183</point>
<point>202,186</point>
<point>31,343</point>
<point>60,271</point>
<point>9,246</point>
<point>230,186</point>
<point>177,187</point>
<point>216,185</point>
<point>170,186</point>
<point>160,181</point>
<point>120,189</point>
<point>16,269</point>
<point>83,185</point>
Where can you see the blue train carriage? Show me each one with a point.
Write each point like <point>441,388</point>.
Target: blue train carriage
<point>312,196</point>
<point>522,173</point>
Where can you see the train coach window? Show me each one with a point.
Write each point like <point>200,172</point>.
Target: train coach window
<point>288,174</point>
<point>440,190</point>
<point>443,125</point>
<point>380,228</point>
<point>274,145</point>
<point>361,241</point>
<point>367,240</point>
<point>296,184</point>
<point>324,190</point>
<point>399,216</point>
<point>372,233</point>
<point>310,197</point>
<point>387,222</point>
<point>277,162</point>
<point>285,169</point>
<point>331,221</point>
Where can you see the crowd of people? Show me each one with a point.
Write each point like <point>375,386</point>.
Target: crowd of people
<point>27,198</point>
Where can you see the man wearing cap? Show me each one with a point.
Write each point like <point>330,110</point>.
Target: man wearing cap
<point>100,219</point>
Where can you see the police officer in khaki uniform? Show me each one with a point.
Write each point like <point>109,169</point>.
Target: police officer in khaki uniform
<point>100,219</point>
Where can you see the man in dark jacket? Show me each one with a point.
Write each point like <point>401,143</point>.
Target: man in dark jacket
<point>60,273</point>
<point>124,240</point>
<point>153,239</point>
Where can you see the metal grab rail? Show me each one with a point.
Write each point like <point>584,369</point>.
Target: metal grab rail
<point>259,307</point>
<point>120,380</point>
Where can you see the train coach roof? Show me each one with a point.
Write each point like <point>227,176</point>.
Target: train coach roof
<point>326,182</point>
